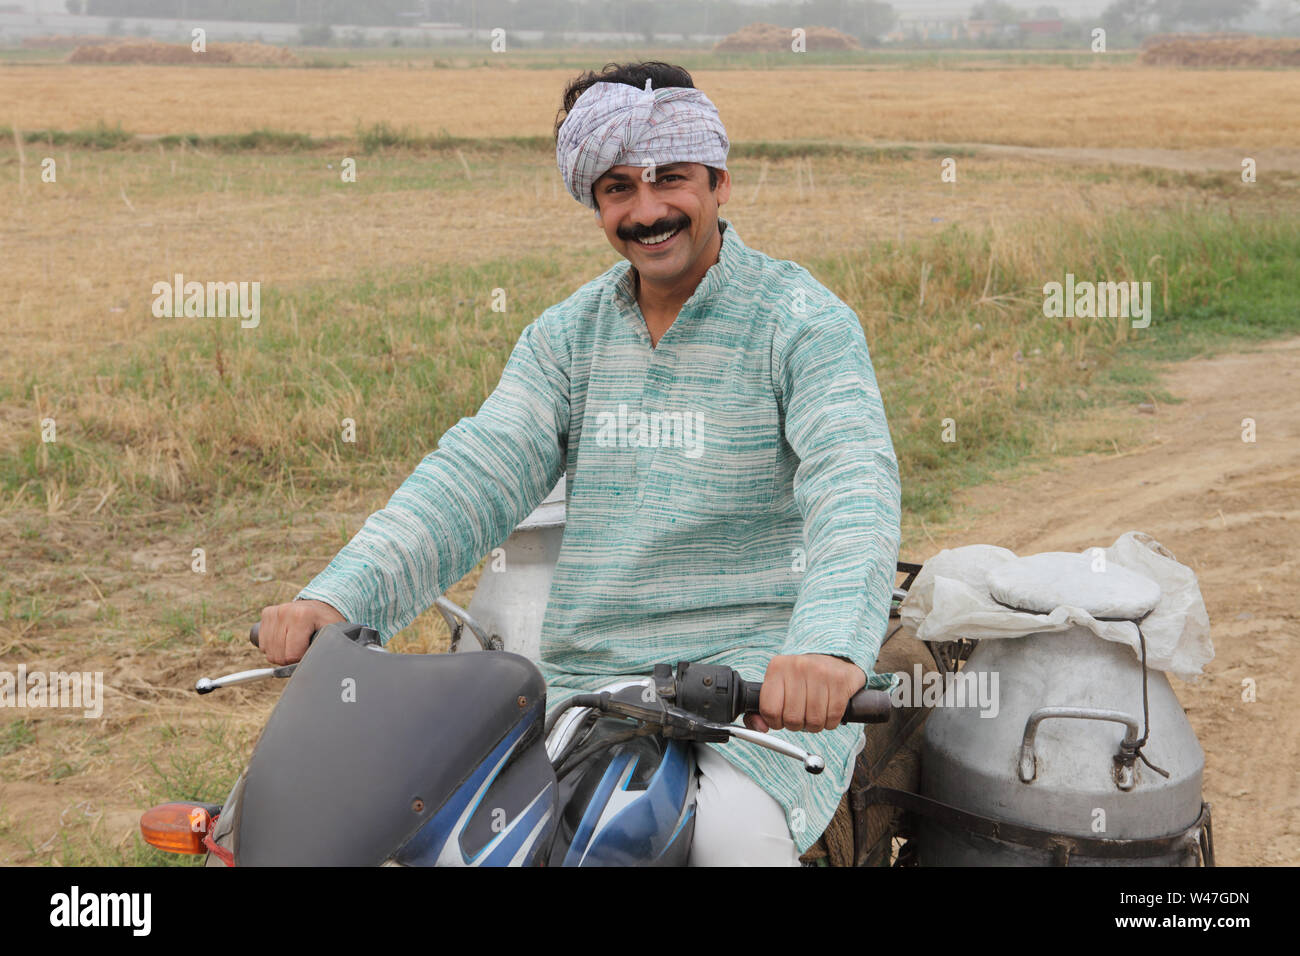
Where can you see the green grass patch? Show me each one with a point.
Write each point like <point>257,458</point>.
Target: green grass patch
<point>197,766</point>
<point>15,735</point>
<point>790,149</point>
<point>257,140</point>
<point>99,136</point>
<point>1005,376</point>
<point>382,136</point>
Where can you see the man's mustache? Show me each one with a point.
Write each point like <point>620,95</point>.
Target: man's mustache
<point>657,229</point>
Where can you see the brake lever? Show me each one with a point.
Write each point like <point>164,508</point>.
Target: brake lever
<point>811,761</point>
<point>365,636</point>
<point>206,685</point>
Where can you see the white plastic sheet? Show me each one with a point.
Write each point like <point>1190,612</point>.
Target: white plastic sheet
<point>950,599</point>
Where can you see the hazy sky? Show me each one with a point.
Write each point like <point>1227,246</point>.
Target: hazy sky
<point>946,7</point>
<point>1069,8</point>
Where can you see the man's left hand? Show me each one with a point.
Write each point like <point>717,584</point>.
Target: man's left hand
<point>807,692</point>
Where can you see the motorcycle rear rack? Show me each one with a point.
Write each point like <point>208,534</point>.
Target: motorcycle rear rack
<point>1197,838</point>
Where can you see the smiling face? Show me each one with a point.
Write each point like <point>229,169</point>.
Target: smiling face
<point>677,202</point>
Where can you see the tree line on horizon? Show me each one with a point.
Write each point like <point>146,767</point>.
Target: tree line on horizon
<point>865,20</point>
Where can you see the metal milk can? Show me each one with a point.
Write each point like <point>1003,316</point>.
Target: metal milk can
<point>1060,774</point>
<point>509,604</point>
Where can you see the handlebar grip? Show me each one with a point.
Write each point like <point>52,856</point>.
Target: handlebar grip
<point>865,707</point>
<point>869,707</point>
<point>255,631</point>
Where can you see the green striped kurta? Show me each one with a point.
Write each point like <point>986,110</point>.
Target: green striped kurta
<point>733,494</point>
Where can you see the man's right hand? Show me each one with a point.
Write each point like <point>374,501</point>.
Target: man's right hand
<point>286,629</point>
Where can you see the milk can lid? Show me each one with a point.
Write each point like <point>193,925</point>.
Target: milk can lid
<point>550,513</point>
<point>1040,583</point>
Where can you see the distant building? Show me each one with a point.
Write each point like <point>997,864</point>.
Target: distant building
<point>940,27</point>
<point>1042,27</point>
<point>930,27</point>
<point>981,29</point>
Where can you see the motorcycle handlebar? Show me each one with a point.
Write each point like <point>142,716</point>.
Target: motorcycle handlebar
<point>864,707</point>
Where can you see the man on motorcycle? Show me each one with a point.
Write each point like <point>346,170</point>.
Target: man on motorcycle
<point>733,493</point>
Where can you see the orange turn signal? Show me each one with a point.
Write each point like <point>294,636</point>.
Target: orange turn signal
<point>176,827</point>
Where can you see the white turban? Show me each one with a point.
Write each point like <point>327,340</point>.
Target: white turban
<point>614,124</point>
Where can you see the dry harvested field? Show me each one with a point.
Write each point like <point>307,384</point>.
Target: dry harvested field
<point>75,276</point>
<point>1220,50</point>
<point>175,433</point>
<point>1041,106</point>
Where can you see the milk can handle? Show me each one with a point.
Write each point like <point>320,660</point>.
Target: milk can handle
<point>1124,760</point>
<point>457,617</point>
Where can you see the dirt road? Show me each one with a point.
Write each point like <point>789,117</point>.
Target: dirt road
<point>1229,509</point>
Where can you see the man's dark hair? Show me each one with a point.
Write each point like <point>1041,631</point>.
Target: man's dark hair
<point>633,74</point>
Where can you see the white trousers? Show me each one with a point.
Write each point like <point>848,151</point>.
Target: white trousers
<point>737,823</point>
